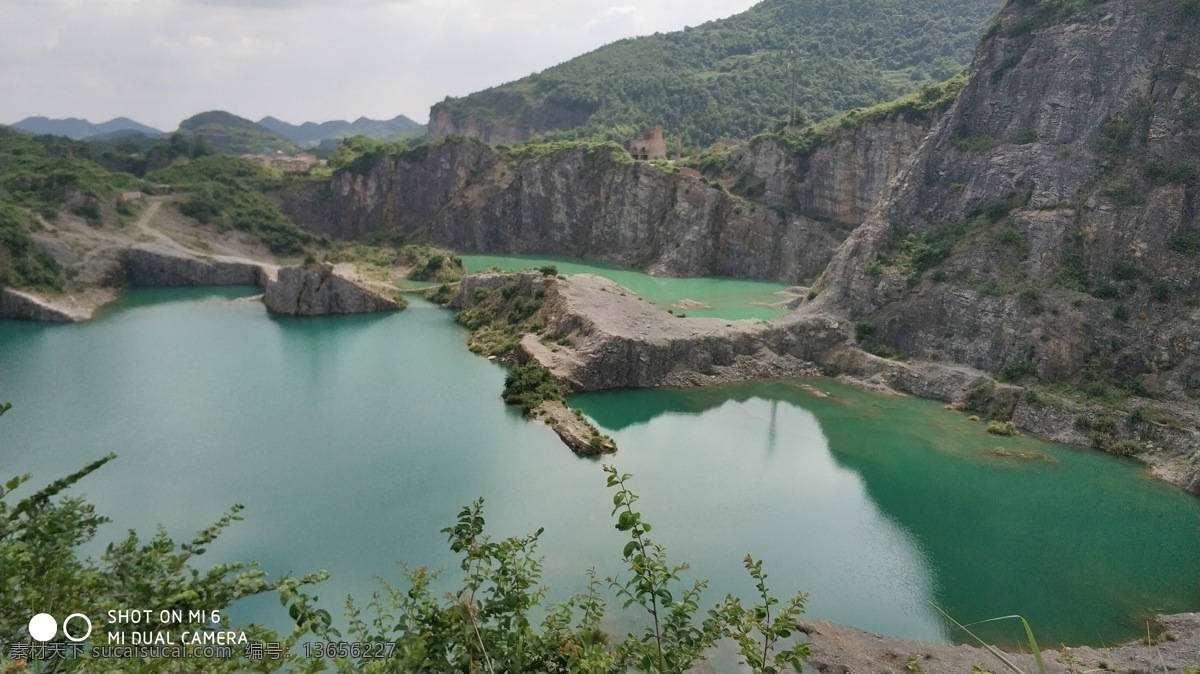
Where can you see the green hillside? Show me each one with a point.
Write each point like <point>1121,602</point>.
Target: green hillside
<point>732,77</point>
<point>42,175</point>
<point>228,191</point>
<point>230,133</point>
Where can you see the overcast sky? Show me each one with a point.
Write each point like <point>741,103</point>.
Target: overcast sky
<point>161,61</point>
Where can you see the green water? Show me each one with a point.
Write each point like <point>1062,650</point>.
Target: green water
<point>731,299</point>
<point>352,441</point>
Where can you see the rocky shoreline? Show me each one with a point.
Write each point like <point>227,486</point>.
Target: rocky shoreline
<point>301,290</point>
<point>598,335</point>
<point>837,649</point>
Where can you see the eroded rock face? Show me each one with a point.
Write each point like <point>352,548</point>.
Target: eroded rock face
<point>315,290</point>
<point>576,202</point>
<point>24,306</point>
<point>843,178</point>
<point>156,266</point>
<point>1070,161</point>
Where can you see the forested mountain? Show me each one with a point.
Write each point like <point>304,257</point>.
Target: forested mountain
<point>78,129</point>
<point>312,133</point>
<point>230,133</point>
<point>733,77</point>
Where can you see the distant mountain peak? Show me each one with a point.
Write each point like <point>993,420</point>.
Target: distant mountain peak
<point>80,129</point>
<point>312,133</point>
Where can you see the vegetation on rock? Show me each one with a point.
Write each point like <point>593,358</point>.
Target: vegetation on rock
<point>528,385</point>
<point>498,317</point>
<point>431,264</point>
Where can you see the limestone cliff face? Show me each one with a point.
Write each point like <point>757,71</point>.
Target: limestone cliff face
<point>1052,218</point>
<point>843,178</point>
<point>585,202</point>
<point>156,266</point>
<point>315,290</point>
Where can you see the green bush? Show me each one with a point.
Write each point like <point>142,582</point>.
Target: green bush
<point>1123,448</point>
<point>1005,428</point>
<point>1024,137</point>
<point>1185,241</point>
<point>529,385</point>
<point>1161,291</point>
<point>731,77</point>
<point>1017,371</point>
<point>864,330</point>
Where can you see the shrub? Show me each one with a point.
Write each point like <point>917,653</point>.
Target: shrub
<point>1123,448</point>
<point>885,351</point>
<point>1012,372</point>
<point>529,385</point>
<point>1185,241</point>
<point>1005,428</point>
<point>1024,137</point>
<point>89,212</point>
<point>1125,269</point>
<point>864,330</point>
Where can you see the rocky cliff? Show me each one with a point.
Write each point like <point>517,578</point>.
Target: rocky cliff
<point>1050,225</point>
<point>842,179</point>
<point>594,201</point>
<point>316,290</point>
<point>157,265</point>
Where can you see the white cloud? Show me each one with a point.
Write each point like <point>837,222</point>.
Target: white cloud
<point>159,61</point>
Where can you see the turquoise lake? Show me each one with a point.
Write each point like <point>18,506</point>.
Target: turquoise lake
<point>353,440</point>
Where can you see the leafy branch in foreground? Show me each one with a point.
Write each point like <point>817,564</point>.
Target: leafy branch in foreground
<point>485,626</point>
<point>43,572</point>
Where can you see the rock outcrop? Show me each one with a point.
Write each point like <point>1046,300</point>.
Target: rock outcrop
<point>1048,228</point>
<point>575,432</point>
<point>1051,220</point>
<point>316,290</point>
<point>594,335</point>
<point>27,306</point>
<point>155,265</point>
<point>593,202</point>
<point>842,178</point>
<point>600,336</point>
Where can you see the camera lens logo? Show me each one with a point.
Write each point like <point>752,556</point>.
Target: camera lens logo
<point>43,627</point>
